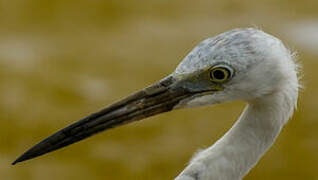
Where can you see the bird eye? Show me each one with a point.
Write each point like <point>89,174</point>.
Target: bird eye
<point>220,74</point>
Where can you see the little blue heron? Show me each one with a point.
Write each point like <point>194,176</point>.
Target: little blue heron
<point>241,64</point>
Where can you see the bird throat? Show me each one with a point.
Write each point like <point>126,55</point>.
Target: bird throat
<point>238,151</point>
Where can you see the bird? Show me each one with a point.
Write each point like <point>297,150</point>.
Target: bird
<point>243,64</point>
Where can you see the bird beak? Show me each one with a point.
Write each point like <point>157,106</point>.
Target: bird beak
<point>158,98</point>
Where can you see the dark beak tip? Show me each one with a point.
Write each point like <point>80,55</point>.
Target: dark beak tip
<point>25,156</point>
<point>20,159</point>
<point>16,161</point>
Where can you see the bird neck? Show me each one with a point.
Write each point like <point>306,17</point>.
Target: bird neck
<point>249,138</point>
<point>232,156</point>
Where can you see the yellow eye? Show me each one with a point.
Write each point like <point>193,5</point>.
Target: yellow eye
<point>220,74</point>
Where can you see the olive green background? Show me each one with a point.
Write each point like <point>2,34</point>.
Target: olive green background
<point>62,60</point>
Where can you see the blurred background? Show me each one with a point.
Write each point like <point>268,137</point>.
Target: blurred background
<point>62,60</point>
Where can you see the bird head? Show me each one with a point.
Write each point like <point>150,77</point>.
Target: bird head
<point>242,64</point>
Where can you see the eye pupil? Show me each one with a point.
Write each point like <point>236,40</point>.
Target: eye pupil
<point>219,74</point>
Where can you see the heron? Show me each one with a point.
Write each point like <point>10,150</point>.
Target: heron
<point>244,64</point>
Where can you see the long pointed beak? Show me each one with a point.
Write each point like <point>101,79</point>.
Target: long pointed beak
<point>157,98</point>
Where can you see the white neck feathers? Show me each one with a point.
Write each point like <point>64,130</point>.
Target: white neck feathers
<point>232,156</point>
